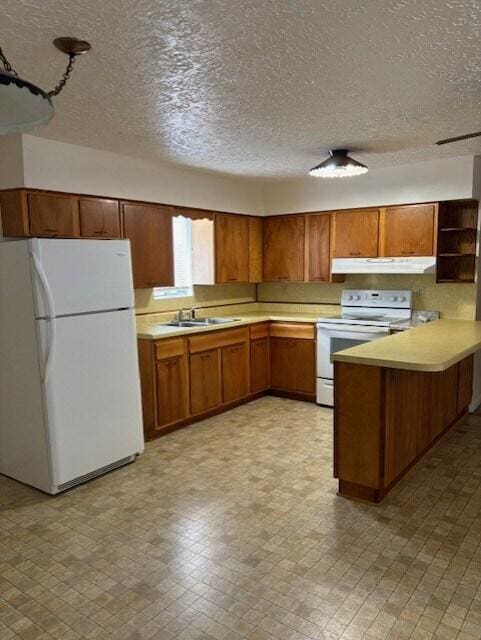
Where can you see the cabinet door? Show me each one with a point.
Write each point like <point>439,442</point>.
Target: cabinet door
<point>293,365</point>
<point>407,231</point>
<point>231,248</point>
<point>355,234</point>
<point>172,390</point>
<point>53,215</point>
<point>318,242</point>
<point>284,248</point>
<point>255,249</point>
<point>205,381</point>
<point>149,229</point>
<point>259,364</point>
<point>465,383</point>
<point>99,218</point>
<point>235,371</point>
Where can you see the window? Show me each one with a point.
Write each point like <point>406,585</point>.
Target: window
<point>182,234</point>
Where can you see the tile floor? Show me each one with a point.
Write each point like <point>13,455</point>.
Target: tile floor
<point>232,529</point>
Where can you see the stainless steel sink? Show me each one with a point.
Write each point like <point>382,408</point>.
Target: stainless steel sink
<point>200,322</point>
<point>186,323</point>
<point>219,320</point>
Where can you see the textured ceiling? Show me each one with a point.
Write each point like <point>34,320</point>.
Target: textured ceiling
<point>258,87</point>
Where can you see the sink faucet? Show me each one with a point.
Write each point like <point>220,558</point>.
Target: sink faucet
<point>180,315</point>
<point>192,313</point>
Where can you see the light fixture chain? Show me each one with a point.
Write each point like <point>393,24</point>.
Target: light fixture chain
<point>6,64</point>
<point>65,77</point>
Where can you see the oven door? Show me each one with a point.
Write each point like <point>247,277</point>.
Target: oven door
<point>332,338</point>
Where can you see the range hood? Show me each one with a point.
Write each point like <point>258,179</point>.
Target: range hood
<point>412,265</point>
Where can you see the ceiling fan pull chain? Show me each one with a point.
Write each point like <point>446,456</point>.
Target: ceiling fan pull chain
<point>65,77</point>
<point>6,64</point>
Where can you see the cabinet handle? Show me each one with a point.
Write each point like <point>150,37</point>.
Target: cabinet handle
<point>51,230</point>
<point>407,253</point>
<point>100,233</point>
<point>206,357</point>
<point>355,253</point>
<point>231,279</point>
<point>283,278</point>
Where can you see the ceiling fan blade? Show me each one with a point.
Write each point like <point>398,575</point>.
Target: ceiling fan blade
<point>457,138</point>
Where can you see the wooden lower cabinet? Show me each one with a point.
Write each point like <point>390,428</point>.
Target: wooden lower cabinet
<point>205,381</point>
<point>391,420</point>
<point>164,377</point>
<point>171,381</point>
<point>235,372</point>
<point>292,365</point>
<point>184,379</point>
<point>259,364</point>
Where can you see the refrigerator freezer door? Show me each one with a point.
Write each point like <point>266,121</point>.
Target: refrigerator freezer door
<point>81,276</point>
<point>92,393</point>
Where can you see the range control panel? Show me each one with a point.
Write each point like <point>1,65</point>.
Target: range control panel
<point>390,299</point>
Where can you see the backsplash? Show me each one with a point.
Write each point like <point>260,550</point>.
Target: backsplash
<point>452,300</point>
<point>204,296</point>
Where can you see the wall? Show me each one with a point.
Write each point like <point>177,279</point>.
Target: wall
<point>204,296</point>
<point>11,162</point>
<point>452,300</point>
<point>59,166</point>
<point>446,179</point>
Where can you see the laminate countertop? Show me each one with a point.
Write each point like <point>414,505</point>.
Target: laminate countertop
<point>150,329</point>
<point>434,346</point>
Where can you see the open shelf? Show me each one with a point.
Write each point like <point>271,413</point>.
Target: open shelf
<point>457,233</point>
<point>455,255</point>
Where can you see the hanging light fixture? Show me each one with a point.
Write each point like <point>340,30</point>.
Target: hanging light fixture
<point>338,165</point>
<point>23,105</point>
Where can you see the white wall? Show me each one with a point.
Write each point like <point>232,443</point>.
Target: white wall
<point>59,166</point>
<point>446,179</point>
<point>11,162</point>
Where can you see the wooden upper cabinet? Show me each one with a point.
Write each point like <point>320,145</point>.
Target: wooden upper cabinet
<point>318,230</point>
<point>99,218</point>
<point>355,233</point>
<point>408,230</point>
<point>53,215</point>
<point>231,248</point>
<point>284,248</point>
<point>149,229</point>
<point>255,249</point>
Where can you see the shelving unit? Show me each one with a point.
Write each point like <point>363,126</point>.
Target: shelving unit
<point>457,232</point>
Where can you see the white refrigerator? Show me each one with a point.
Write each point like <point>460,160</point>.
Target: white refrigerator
<point>70,404</point>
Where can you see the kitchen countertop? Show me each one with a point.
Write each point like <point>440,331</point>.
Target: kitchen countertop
<point>148,330</point>
<point>434,346</point>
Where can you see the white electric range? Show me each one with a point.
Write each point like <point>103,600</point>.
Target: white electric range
<point>365,315</point>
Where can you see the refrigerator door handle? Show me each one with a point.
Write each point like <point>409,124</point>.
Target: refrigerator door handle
<point>50,314</point>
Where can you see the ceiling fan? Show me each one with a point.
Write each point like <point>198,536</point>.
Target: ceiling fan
<point>458,138</point>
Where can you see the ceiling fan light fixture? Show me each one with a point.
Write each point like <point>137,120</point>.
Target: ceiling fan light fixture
<point>338,165</point>
<point>23,105</point>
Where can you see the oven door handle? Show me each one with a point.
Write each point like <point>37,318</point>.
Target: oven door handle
<point>354,330</point>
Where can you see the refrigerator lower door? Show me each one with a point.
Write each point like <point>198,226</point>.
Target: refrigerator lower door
<point>80,276</point>
<point>92,394</point>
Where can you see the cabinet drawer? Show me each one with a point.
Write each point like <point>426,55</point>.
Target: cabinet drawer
<point>292,330</point>
<point>260,330</point>
<point>169,348</point>
<point>218,339</point>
